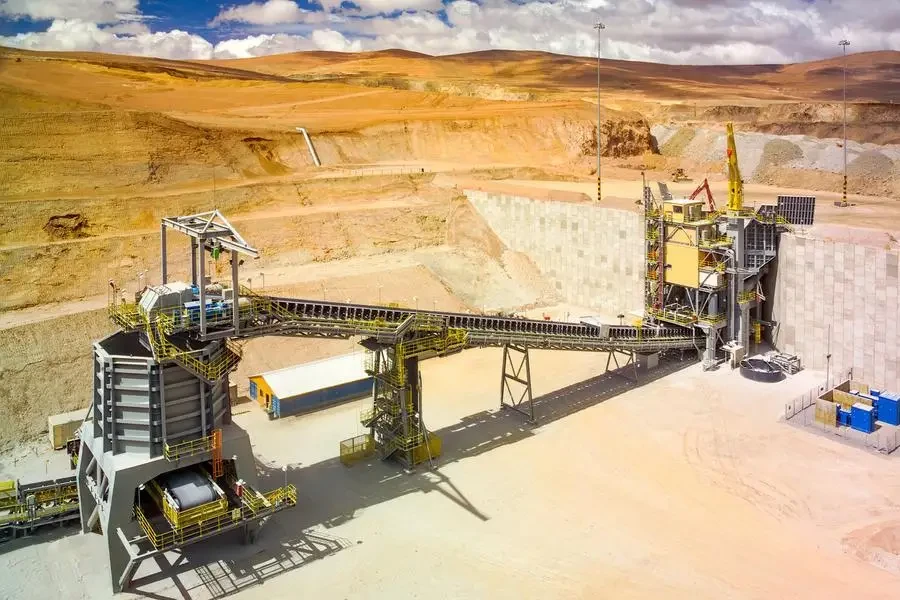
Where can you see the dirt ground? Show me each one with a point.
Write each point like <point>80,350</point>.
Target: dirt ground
<point>683,487</point>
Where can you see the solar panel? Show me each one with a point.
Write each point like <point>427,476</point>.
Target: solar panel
<point>797,210</point>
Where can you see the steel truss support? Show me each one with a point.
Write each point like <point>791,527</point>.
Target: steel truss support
<point>515,381</point>
<point>621,369</point>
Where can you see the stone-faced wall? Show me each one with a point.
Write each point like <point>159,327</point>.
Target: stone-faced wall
<point>593,255</point>
<point>854,289</point>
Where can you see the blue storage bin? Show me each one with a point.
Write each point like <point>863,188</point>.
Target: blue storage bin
<point>862,417</point>
<point>889,409</point>
<point>843,417</point>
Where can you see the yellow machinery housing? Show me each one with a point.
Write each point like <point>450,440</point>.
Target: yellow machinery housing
<point>688,231</point>
<point>179,518</point>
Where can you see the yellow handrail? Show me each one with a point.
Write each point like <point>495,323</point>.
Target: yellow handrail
<point>747,296</point>
<point>189,448</point>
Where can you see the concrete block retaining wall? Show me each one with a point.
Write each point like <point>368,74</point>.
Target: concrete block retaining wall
<point>854,289</point>
<point>593,255</point>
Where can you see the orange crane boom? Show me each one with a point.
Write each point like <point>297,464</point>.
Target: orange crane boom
<point>709,197</point>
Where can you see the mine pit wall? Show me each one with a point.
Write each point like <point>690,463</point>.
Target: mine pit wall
<point>854,289</point>
<point>591,254</point>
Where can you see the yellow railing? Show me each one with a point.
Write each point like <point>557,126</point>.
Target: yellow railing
<point>715,242</point>
<point>216,367</point>
<point>124,314</point>
<point>747,296</point>
<point>8,495</point>
<point>189,448</point>
<point>21,513</point>
<point>356,448</point>
<point>211,517</point>
<point>670,315</point>
<point>253,500</point>
<point>282,495</point>
<point>366,416</point>
<point>712,319</point>
<point>175,537</point>
<point>183,518</point>
<point>709,261</point>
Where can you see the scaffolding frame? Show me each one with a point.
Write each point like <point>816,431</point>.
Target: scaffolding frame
<point>516,373</point>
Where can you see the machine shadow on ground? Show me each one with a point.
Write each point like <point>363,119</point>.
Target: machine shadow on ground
<point>330,494</point>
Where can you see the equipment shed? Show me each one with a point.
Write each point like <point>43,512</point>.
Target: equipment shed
<point>311,386</point>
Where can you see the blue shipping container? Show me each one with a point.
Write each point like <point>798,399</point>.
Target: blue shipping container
<point>889,409</point>
<point>323,398</point>
<point>862,418</point>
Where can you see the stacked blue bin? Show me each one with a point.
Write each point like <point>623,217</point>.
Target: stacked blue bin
<point>843,416</point>
<point>862,417</point>
<point>889,408</point>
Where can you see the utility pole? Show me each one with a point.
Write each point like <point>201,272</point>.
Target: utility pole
<point>844,44</point>
<point>599,27</point>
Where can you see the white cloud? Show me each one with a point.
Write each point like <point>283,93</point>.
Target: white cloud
<point>669,31</point>
<point>271,12</point>
<point>278,43</point>
<point>374,7</point>
<point>96,11</point>
<point>80,35</point>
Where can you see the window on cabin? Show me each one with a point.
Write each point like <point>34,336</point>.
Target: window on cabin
<point>677,210</point>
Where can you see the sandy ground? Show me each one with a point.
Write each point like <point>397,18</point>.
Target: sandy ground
<point>684,487</point>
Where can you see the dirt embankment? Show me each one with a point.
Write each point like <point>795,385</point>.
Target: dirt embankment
<point>873,123</point>
<point>45,369</point>
<point>794,161</point>
<point>130,152</point>
<point>538,140</point>
<point>100,151</point>
<point>403,220</point>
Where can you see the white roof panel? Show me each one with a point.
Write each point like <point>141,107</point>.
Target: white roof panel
<point>312,376</point>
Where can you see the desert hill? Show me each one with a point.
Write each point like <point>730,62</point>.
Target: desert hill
<point>872,76</point>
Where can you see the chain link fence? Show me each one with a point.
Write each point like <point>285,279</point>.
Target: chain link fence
<point>801,411</point>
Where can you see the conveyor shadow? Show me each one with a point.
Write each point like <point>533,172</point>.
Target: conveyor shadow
<point>223,566</point>
<point>330,494</point>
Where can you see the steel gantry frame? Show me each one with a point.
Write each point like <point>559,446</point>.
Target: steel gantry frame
<point>517,376</point>
<point>209,231</point>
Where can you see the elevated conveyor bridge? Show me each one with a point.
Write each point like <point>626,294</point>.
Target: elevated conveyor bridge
<point>397,338</point>
<point>271,315</point>
<point>178,318</point>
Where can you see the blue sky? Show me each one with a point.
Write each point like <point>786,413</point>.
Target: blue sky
<point>191,16</point>
<point>670,31</point>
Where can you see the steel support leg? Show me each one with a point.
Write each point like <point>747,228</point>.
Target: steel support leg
<point>162,252</point>
<point>236,289</point>
<point>621,369</point>
<point>515,381</point>
<point>193,261</point>
<point>202,292</point>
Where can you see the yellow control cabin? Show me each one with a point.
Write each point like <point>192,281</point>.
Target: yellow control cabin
<point>688,231</point>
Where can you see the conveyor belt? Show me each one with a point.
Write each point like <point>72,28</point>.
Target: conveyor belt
<point>290,316</point>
